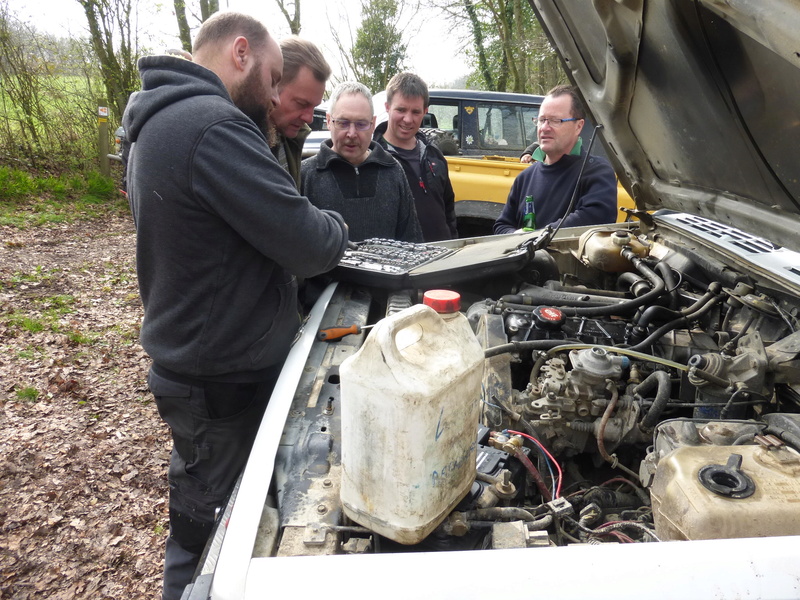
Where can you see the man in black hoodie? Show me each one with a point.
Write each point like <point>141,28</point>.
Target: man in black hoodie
<point>424,165</point>
<point>221,234</point>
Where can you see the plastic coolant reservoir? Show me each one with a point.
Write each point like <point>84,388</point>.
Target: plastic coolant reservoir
<point>410,410</point>
<point>600,248</point>
<point>758,499</point>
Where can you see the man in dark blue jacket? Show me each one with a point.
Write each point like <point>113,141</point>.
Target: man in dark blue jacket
<point>221,235</point>
<point>424,165</point>
<point>551,178</point>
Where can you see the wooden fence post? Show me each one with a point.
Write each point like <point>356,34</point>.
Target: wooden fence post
<point>102,126</point>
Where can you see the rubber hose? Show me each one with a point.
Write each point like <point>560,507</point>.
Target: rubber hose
<point>676,323</point>
<point>658,287</point>
<point>660,379</point>
<point>665,271</point>
<point>790,438</point>
<point>577,289</point>
<point>629,279</point>
<point>645,319</point>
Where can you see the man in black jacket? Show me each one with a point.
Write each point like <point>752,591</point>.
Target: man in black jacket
<point>221,234</point>
<point>424,165</point>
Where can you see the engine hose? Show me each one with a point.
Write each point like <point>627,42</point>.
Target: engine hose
<point>678,322</point>
<point>658,288</point>
<point>601,430</point>
<point>499,513</point>
<point>631,281</point>
<point>667,275</point>
<point>606,498</point>
<point>575,303</point>
<point>663,383</point>
<point>788,437</point>
<point>547,297</point>
<point>745,439</point>
<point>653,311</point>
<point>537,477</point>
<point>579,289</point>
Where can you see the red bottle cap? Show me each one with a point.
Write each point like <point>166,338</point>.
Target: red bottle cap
<point>442,301</point>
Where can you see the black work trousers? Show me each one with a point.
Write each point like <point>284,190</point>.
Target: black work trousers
<point>213,427</point>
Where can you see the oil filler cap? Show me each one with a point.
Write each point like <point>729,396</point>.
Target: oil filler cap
<point>728,480</point>
<point>548,317</point>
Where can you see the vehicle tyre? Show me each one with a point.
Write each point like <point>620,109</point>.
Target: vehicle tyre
<point>444,140</point>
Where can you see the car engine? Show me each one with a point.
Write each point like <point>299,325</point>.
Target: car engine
<point>641,384</point>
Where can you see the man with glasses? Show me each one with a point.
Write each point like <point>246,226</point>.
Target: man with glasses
<point>356,177</point>
<point>552,177</point>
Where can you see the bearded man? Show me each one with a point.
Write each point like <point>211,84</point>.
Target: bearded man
<point>221,235</point>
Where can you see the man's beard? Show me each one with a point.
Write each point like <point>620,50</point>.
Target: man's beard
<point>251,97</point>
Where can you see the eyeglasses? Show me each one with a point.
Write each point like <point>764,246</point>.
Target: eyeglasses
<point>541,121</point>
<point>344,124</point>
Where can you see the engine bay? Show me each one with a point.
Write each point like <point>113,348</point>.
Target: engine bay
<point>641,383</point>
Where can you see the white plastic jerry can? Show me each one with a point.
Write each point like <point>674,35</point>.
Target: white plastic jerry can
<point>410,411</point>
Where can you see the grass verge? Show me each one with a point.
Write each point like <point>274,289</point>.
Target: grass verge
<point>28,200</point>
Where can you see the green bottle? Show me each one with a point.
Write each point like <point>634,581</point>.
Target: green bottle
<point>529,216</point>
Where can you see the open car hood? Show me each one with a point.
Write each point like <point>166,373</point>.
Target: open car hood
<point>698,101</point>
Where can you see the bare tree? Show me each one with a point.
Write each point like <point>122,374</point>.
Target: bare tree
<point>293,18</point>
<point>511,50</point>
<point>182,14</point>
<point>184,32</point>
<point>379,49</point>
<point>116,46</point>
<point>477,33</point>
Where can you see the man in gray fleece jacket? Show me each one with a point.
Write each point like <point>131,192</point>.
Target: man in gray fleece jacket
<point>221,234</point>
<point>356,177</point>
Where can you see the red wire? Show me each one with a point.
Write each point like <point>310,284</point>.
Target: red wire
<point>550,456</point>
<point>621,537</point>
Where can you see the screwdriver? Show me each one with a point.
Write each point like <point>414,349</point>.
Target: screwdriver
<point>331,334</point>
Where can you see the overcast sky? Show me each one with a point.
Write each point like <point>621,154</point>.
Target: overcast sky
<point>433,52</point>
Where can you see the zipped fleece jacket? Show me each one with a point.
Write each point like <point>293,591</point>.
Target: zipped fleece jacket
<point>221,229</point>
<point>293,148</point>
<point>552,186</point>
<point>373,197</point>
<point>434,198</point>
